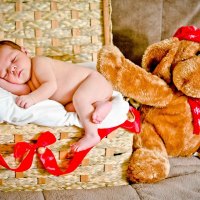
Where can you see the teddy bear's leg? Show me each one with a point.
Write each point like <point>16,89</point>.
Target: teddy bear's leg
<point>149,162</point>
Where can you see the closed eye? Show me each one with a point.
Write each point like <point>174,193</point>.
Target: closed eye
<point>14,59</point>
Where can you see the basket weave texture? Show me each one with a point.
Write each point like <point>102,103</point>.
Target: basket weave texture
<point>68,30</point>
<point>104,165</point>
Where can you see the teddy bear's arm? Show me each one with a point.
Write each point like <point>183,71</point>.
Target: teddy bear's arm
<point>131,80</point>
<point>144,87</point>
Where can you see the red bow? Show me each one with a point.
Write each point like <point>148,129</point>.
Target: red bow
<point>26,150</point>
<point>191,33</point>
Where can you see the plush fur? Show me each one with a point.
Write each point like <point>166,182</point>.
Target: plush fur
<point>170,74</point>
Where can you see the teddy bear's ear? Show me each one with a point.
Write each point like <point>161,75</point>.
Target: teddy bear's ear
<point>186,50</point>
<point>158,58</point>
<point>186,76</point>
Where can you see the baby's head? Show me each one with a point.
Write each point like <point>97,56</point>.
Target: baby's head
<point>10,44</point>
<point>15,65</point>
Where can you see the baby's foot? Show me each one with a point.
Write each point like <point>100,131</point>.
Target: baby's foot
<point>86,142</point>
<point>101,111</point>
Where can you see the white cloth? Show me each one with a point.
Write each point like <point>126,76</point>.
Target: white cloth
<point>51,113</point>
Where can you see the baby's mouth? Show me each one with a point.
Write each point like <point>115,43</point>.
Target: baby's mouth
<point>19,74</point>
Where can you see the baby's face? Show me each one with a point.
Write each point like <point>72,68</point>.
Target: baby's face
<point>15,65</point>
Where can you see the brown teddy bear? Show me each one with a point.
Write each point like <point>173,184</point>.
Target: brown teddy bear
<point>167,87</point>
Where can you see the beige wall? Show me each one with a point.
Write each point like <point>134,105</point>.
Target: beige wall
<point>138,23</point>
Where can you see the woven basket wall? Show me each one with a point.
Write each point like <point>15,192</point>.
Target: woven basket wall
<point>105,164</point>
<point>66,29</point>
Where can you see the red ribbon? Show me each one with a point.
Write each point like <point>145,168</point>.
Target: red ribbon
<point>195,109</point>
<point>191,33</point>
<point>27,150</point>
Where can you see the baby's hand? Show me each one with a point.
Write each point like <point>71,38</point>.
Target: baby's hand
<point>24,101</point>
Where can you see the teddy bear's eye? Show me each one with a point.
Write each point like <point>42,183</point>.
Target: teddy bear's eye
<point>198,53</point>
<point>153,64</point>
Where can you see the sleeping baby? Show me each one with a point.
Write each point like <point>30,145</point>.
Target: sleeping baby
<point>78,88</point>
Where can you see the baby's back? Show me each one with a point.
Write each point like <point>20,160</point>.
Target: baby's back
<point>68,77</point>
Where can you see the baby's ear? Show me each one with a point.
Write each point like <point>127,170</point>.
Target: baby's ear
<point>24,50</point>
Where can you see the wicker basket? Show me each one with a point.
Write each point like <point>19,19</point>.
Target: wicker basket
<point>104,165</point>
<point>69,30</point>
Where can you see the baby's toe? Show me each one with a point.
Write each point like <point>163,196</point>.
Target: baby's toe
<point>96,119</point>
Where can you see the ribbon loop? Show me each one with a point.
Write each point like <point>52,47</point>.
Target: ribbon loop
<point>45,139</point>
<point>21,148</point>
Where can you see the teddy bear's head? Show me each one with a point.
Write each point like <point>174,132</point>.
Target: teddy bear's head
<point>176,61</point>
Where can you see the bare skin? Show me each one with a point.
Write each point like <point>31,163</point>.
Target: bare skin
<point>101,110</point>
<point>77,88</point>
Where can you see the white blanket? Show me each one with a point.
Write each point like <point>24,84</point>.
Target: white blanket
<point>51,113</point>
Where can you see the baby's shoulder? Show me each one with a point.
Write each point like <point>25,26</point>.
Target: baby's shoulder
<point>41,59</point>
<point>41,65</point>
<point>38,61</point>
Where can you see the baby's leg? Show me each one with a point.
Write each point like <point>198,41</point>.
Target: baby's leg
<point>93,89</point>
<point>102,108</point>
<point>70,107</point>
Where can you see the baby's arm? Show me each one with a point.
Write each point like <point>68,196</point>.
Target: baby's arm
<point>17,89</point>
<point>42,71</point>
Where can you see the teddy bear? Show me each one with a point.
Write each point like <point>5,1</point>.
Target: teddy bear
<point>167,87</point>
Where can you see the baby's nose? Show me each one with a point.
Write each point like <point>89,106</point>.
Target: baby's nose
<point>12,68</point>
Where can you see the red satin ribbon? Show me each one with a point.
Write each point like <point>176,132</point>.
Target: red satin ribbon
<point>195,109</point>
<point>47,158</point>
<point>191,33</point>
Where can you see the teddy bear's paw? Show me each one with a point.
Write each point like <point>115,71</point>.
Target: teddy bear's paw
<point>109,55</point>
<point>109,62</point>
<point>148,166</point>
<point>186,77</point>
